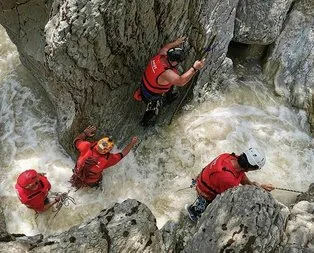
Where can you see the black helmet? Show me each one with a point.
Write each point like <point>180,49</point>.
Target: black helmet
<point>176,54</point>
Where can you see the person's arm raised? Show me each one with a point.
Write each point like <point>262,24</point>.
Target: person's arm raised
<point>247,181</point>
<point>88,132</point>
<point>128,147</point>
<point>176,43</point>
<point>170,76</point>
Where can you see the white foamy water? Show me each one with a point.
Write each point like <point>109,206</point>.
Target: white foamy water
<point>247,114</point>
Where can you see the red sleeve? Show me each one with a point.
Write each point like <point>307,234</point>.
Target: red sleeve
<point>82,146</point>
<point>113,159</point>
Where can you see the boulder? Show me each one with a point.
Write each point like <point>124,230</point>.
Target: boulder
<point>4,235</point>
<point>290,62</point>
<point>300,229</point>
<point>243,219</point>
<point>126,227</point>
<point>260,22</point>
<point>307,196</point>
<point>89,55</point>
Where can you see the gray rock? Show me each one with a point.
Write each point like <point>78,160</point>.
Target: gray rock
<point>126,227</point>
<point>290,64</point>
<point>14,247</point>
<point>24,22</point>
<point>299,229</point>
<point>4,235</point>
<point>307,196</point>
<point>260,22</point>
<point>243,219</point>
<point>89,55</point>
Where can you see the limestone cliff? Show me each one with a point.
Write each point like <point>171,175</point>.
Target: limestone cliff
<point>89,55</point>
<point>243,219</point>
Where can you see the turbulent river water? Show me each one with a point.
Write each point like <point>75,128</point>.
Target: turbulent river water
<point>246,114</point>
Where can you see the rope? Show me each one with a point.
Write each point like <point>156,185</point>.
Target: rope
<point>185,188</point>
<point>192,185</point>
<point>65,200</point>
<point>289,190</point>
<point>203,55</point>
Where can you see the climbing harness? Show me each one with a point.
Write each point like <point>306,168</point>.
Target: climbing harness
<point>204,55</point>
<point>65,200</point>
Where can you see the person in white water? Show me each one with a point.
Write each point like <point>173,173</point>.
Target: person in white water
<point>94,158</point>
<point>224,172</point>
<point>32,189</point>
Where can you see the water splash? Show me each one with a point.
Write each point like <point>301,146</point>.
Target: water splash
<point>246,114</point>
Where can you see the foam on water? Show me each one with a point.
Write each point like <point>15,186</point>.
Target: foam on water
<point>247,114</point>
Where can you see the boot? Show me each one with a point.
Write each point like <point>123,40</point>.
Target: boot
<point>151,113</point>
<point>149,119</point>
<point>197,208</point>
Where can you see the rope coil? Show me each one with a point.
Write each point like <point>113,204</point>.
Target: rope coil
<point>65,200</point>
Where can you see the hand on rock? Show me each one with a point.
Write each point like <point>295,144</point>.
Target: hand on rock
<point>199,64</point>
<point>90,131</point>
<point>134,140</point>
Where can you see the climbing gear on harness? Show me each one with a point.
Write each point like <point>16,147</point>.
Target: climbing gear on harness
<point>176,54</point>
<point>65,200</point>
<point>204,55</point>
<point>81,173</point>
<point>104,145</point>
<point>255,157</point>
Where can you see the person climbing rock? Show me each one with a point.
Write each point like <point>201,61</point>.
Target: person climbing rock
<point>94,158</point>
<point>159,78</point>
<point>32,189</point>
<point>224,172</point>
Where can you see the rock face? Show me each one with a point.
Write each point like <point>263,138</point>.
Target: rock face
<point>25,22</point>
<point>4,235</point>
<point>126,227</point>
<point>243,219</point>
<point>307,196</point>
<point>300,229</point>
<point>260,22</point>
<point>89,55</point>
<point>290,64</point>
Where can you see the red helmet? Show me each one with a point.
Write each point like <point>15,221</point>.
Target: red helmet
<point>27,177</point>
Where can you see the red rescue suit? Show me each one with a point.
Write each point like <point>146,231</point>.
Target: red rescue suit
<point>218,176</point>
<point>102,161</point>
<point>156,66</point>
<point>35,199</point>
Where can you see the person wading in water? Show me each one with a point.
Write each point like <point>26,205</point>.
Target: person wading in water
<point>32,189</point>
<point>94,158</point>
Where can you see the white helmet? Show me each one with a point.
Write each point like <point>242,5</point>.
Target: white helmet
<point>255,157</point>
